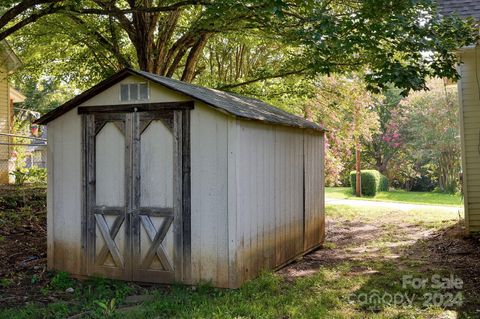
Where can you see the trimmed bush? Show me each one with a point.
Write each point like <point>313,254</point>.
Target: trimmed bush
<point>372,182</point>
<point>383,186</point>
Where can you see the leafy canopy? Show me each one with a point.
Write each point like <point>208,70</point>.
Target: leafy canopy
<point>398,41</point>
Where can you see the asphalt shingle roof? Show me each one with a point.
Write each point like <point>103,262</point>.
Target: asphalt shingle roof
<point>241,106</point>
<point>237,105</point>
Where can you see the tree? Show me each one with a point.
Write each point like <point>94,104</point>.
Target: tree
<point>432,125</point>
<point>388,39</point>
<point>387,142</point>
<point>345,107</point>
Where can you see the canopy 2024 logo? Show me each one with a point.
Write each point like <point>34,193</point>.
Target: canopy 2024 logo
<point>436,291</point>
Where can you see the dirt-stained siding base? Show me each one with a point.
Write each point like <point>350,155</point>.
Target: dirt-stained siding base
<point>279,179</point>
<point>65,194</point>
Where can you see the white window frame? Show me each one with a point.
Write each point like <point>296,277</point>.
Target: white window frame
<point>129,86</point>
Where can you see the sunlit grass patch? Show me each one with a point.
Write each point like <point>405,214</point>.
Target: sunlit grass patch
<point>401,196</point>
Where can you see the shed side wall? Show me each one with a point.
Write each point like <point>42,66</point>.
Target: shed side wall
<point>65,193</point>
<point>209,180</point>
<point>314,189</point>
<point>270,195</point>
<point>469,92</point>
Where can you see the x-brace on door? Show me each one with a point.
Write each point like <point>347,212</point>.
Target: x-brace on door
<point>137,194</point>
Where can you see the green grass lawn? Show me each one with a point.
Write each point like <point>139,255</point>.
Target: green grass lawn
<point>386,245</point>
<point>428,198</point>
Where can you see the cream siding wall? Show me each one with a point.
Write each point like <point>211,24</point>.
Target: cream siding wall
<point>268,228</point>
<point>314,189</point>
<point>4,126</point>
<point>208,192</point>
<point>469,92</point>
<point>64,199</point>
<point>209,178</point>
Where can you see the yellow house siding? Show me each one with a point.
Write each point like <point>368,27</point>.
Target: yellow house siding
<point>469,89</point>
<point>4,126</point>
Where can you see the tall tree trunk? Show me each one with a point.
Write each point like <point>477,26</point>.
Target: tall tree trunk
<point>358,175</point>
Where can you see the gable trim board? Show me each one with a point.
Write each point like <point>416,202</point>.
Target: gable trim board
<point>236,105</point>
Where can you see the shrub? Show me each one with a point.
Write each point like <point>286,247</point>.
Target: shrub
<point>372,182</point>
<point>33,175</point>
<point>383,186</point>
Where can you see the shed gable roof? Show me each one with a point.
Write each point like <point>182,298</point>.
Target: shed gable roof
<point>240,106</point>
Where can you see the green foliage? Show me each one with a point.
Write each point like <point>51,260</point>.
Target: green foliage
<point>343,106</point>
<point>419,146</point>
<point>33,175</point>
<point>80,42</point>
<point>61,281</point>
<point>372,182</point>
<point>20,175</point>
<point>5,282</point>
<point>107,308</point>
<point>383,186</point>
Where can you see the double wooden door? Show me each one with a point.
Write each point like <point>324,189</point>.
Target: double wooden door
<point>133,186</point>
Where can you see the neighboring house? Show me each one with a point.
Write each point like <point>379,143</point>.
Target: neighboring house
<point>469,94</point>
<point>153,179</point>
<point>8,96</point>
<point>36,152</point>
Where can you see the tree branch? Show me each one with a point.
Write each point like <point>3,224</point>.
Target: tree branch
<point>193,56</point>
<point>102,41</point>
<point>32,18</point>
<point>262,78</point>
<point>147,10</point>
<point>20,8</point>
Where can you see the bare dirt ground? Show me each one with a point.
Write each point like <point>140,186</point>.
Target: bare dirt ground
<point>22,245</point>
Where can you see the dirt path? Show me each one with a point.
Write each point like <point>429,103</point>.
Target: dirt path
<point>391,205</point>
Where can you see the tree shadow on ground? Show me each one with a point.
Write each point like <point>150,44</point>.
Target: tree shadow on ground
<point>411,265</point>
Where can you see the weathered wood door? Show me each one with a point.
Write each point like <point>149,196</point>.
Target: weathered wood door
<point>135,188</point>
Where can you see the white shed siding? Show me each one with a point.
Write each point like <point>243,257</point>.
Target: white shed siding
<point>209,205</point>
<point>65,193</point>
<point>470,132</point>
<point>314,190</point>
<point>255,221</point>
<point>269,205</point>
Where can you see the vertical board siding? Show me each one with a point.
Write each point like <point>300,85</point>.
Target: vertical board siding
<point>209,157</point>
<point>4,126</point>
<point>65,193</point>
<point>255,198</point>
<point>270,199</point>
<point>469,92</point>
<point>314,190</point>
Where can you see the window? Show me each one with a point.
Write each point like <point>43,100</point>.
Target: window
<point>134,92</point>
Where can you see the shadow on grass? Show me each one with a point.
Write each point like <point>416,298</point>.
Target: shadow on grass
<point>439,272</point>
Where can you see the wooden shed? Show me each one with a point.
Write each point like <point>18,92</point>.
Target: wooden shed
<point>153,179</point>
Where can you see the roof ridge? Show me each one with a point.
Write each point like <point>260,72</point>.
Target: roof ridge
<point>234,104</point>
